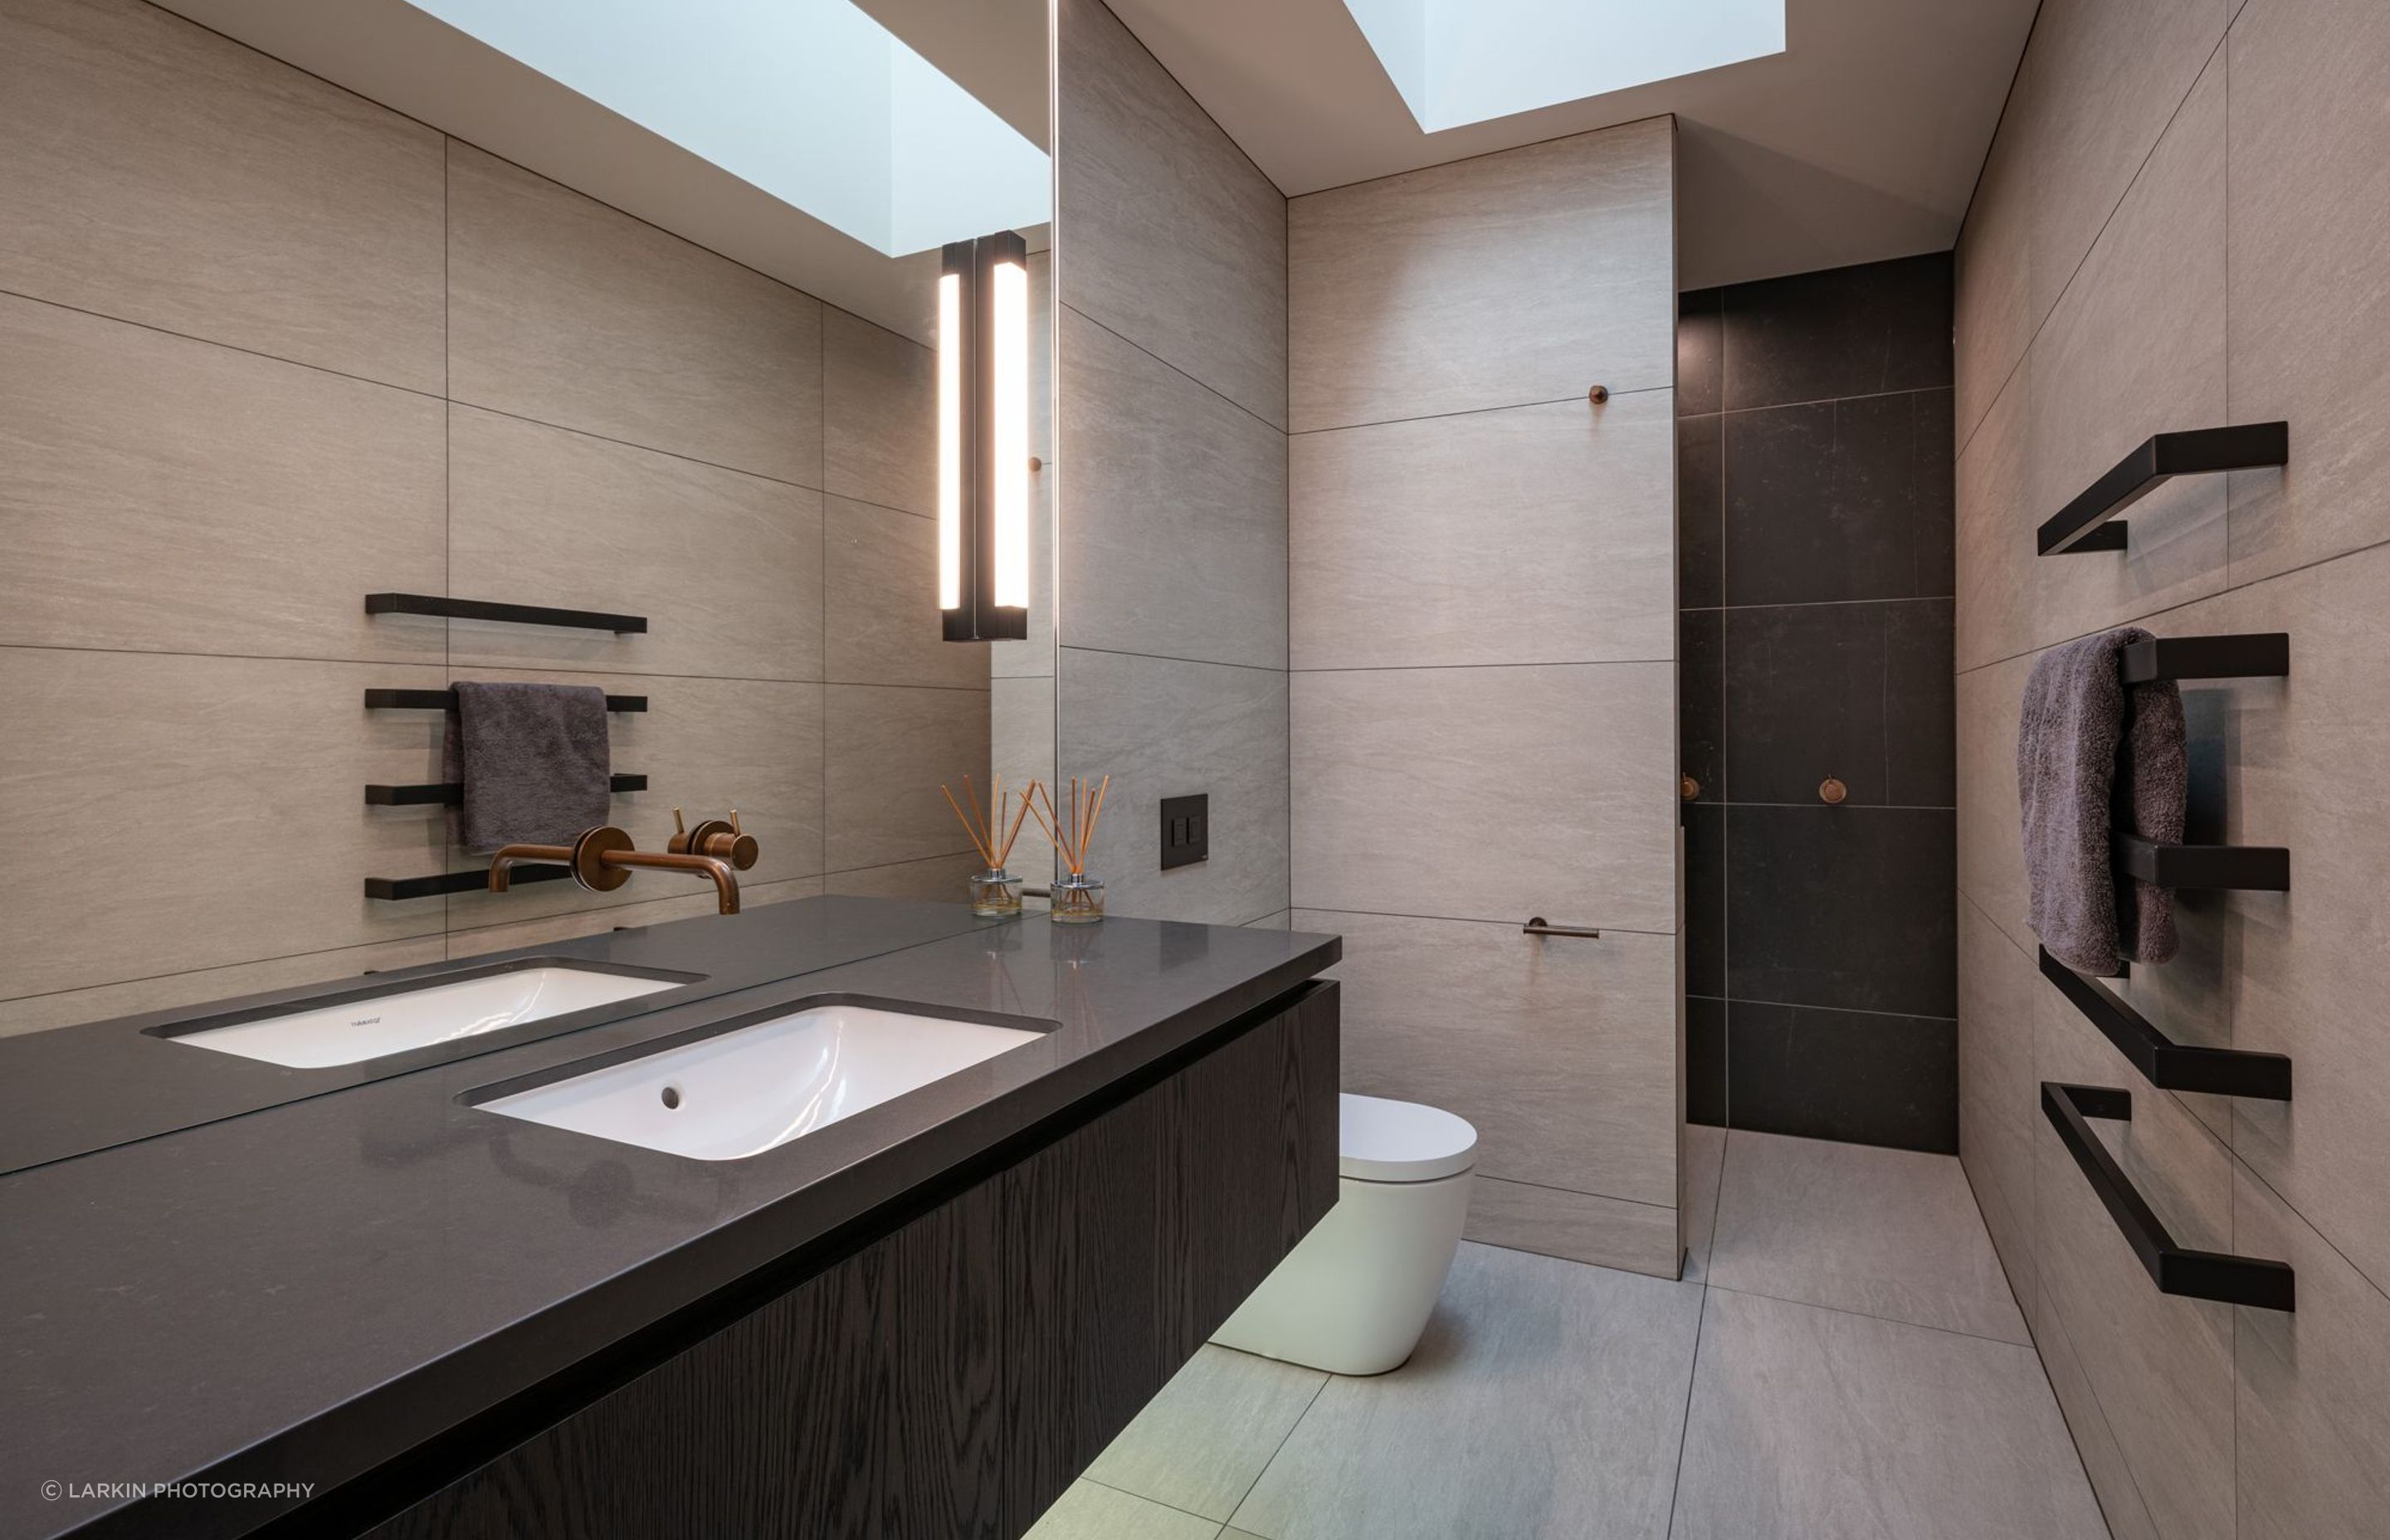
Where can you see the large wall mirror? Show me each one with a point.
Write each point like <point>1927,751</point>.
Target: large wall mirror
<point>612,307</point>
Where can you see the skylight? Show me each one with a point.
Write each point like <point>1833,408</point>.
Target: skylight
<point>810,101</point>
<point>1463,61</point>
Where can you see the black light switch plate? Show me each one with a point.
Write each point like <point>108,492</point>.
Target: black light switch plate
<point>1186,830</point>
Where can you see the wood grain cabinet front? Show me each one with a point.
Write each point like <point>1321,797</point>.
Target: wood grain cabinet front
<point>952,1376</point>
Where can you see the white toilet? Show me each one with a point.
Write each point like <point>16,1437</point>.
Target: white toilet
<point>1353,1297</point>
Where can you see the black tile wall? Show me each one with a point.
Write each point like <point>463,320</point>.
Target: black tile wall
<point>1701,525</point>
<point>1840,1074</point>
<point>1846,331</point>
<point>1704,1059</point>
<point>1838,500</point>
<point>1815,519</point>
<point>1848,907</point>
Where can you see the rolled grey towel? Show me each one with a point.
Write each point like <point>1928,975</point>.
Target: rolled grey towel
<point>535,762</point>
<point>2077,711</point>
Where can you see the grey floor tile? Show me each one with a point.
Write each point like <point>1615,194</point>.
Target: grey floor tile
<point>1545,1400</point>
<point>1202,1443</point>
<point>1704,1156</point>
<point>1807,1422</point>
<point>1882,1232</point>
<point>1089,1511</point>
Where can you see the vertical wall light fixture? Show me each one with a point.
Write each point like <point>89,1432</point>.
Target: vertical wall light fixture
<point>984,439</point>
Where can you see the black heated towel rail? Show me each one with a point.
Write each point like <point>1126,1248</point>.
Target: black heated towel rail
<point>2252,1281</point>
<point>2083,524</point>
<point>518,614</point>
<point>445,701</point>
<point>2165,1063</point>
<point>452,794</point>
<point>456,883</point>
<point>2254,868</point>
<point>2259,655</point>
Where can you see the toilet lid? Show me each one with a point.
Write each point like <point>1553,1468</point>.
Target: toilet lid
<point>1401,1141</point>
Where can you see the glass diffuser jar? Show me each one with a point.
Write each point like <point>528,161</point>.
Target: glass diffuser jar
<point>994,893</point>
<point>1078,900</point>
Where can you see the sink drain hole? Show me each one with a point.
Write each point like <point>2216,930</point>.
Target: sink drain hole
<point>672,1095</point>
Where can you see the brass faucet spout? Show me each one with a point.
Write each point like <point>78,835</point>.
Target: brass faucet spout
<point>503,864</point>
<point>726,881</point>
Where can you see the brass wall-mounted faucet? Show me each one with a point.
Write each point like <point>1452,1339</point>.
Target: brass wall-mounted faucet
<point>603,858</point>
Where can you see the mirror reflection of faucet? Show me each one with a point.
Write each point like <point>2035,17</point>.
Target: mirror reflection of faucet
<point>603,858</point>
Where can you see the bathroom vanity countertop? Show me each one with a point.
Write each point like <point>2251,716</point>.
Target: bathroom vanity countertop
<point>312,1291</point>
<point>72,1090</point>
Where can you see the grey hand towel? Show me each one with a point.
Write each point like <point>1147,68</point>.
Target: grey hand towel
<point>2077,711</point>
<point>535,763</point>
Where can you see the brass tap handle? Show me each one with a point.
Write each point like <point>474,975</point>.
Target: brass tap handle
<point>1689,789</point>
<point>1831,791</point>
<point>679,827</point>
<point>717,839</point>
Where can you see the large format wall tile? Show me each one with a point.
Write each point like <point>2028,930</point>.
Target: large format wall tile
<point>886,751</point>
<point>569,312</point>
<point>2311,1428</point>
<point>203,770</point>
<point>159,172</point>
<point>1173,238</point>
<point>2107,77</point>
<point>939,879</point>
<point>1992,299</point>
<point>707,746</point>
<point>2137,348</point>
<point>1540,535</point>
<point>1991,826</point>
<point>726,566</point>
<point>166,494</point>
<point>1021,744</point>
<point>1180,549</point>
<point>1994,526</point>
<point>1845,331</point>
<point>881,600</point>
<point>2309,265</point>
<point>1999,1097</point>
<point>1805,699</point>
<point>68,1008</point>
<point>1579,1227</point>
<point>1448,1012</point>
<point>2160,1365</point>
<point>2306,972</point>
<point>879,415</point>
<point>1526,276</point>
<point>1162,727</point>
<point>694,904</point>
<point>1847,907</point>
<point>1489,793</point>
<point>1700,511</point>
<point>1846,499</point>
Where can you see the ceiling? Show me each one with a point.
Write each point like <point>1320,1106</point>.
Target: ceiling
<point>1861,141</point>
<point>395,54</point>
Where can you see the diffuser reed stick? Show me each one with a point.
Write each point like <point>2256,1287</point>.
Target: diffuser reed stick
<point>1072,834</point>
<point>988,834</point>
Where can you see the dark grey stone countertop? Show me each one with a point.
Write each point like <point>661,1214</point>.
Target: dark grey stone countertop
<point>72,1090</point>
<point>311,1290</point>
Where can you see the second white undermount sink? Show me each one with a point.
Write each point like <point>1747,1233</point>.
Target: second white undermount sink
<point>414,1014</point>
<point>744,1091</point>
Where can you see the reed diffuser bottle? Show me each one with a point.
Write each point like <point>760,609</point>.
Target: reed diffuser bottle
<point>994,893</point>
<point>1078,898</point>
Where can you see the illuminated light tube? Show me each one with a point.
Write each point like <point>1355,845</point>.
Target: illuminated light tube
<point>984,439</point>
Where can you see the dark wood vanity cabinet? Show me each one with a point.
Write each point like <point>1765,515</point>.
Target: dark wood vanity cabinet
<point>952,1376</point>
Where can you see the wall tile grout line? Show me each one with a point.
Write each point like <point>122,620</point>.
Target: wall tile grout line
<point>1468,412</point>
<point>1062,305</point>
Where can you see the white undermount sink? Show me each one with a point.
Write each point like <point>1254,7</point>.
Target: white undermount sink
<point>413,1014</point>
<point>741,1092</point>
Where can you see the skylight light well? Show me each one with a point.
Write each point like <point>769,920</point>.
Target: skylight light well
<point>1464,61</point>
